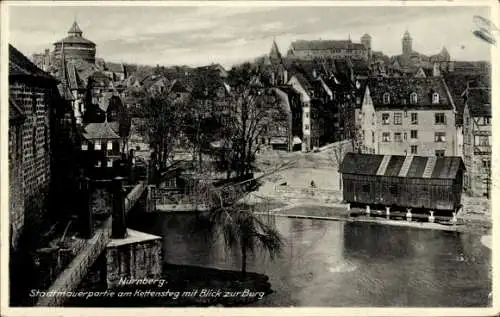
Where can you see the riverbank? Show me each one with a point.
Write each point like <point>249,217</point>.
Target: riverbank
<point>340,212</point>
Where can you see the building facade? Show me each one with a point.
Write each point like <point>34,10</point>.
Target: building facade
<point>33,94</point>
<point>477,142</point>
<point>407,116</point>
<point>328,48</point>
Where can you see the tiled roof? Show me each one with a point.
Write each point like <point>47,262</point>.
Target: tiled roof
<point>20,65</point>
<point>104,101</point>
<point>303,81</point>
<point>400,88</point>
<point>445,167</point>
<point>73,39</point>
<point>283,98</point>
<point>101,130</point>
<point>457,83</point>
<point>479,102</point>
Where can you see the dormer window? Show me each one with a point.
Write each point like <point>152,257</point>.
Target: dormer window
<point>413,98</point>
<point>435,98</point>
<point>387,98</point>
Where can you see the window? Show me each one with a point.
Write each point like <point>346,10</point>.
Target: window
<point>373,118</point>
<point>414,134</point>
<point>405,136</point>
<point>386,137</point>
<point>306,127</point>
<point>440,137</point>
<point>385,118</point>
<point>414,118</point>
<point>110,146</point>
<point>467,120</point>
<point>413,98</point>
<point>98,164</point>
<point>439,153</point>
<point>486,163</point>
<point>484,121</point>
<point>307,114</point>
<point>413,149</point>
<point>387,98</point>
<point>440,118</point>
<point>397,137</point>
<point>110,163</point>
<point>435,98</point>
<point>398,119</point>
<point>373,137</point>
<point>97,146</point>
<point>85,146</point>
<point>482,140</point>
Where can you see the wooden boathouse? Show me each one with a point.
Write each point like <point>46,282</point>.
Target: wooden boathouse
<point>403,183</point>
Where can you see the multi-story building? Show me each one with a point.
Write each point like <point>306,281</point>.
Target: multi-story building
<point>407,116</point>
<point>330,48</point>
<point>477,141</point>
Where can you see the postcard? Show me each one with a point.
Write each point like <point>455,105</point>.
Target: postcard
<point>285,158</point>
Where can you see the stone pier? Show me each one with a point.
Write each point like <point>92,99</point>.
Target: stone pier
<point>137,256</point>
<point>130,254</point>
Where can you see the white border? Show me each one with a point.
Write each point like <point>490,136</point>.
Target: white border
<point>4,93</point>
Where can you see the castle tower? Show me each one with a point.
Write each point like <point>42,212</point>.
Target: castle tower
<point>406,43</point>
<point>75,46</point>
<point>366,41</point>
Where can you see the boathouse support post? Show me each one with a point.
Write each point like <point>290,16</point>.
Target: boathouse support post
<point>119,223</point>
<point>388,211</point>
<point>368,209</point>
<point>431,217</point>
<point>408,214</point>
<point>454,218</point>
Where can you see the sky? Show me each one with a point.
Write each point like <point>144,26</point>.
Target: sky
<point>200,35</point>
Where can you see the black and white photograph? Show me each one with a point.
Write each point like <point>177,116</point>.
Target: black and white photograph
<point>215,155</point>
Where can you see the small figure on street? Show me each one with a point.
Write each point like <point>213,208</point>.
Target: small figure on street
<point>313,185</point>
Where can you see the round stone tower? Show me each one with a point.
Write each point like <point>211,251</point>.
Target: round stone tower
<point>75,46</point>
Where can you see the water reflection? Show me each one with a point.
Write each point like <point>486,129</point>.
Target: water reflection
<point>330,263</point>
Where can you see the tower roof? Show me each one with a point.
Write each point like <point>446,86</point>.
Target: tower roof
<point>75,36</point>
<point>407,35</point>
<point>366,36</point>
<point>75,29</point>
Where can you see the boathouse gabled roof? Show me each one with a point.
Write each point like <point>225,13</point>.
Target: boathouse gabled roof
<point>408,166</point>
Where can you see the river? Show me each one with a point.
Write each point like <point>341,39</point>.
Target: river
<point>343,264</point>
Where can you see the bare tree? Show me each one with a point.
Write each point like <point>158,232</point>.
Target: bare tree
<point>337,153</point>
<point>163,125</point>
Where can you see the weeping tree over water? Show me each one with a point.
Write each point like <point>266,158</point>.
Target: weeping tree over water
<point>238,224</point>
